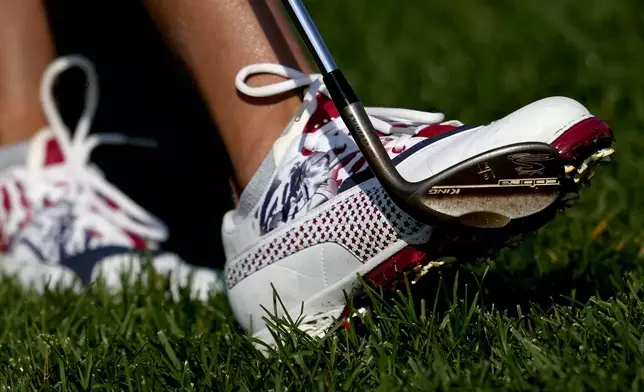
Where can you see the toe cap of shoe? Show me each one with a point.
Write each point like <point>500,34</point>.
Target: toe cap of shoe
<point>540,121</point>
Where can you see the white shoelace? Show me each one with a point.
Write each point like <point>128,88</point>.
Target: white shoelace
<point>401,123</point>
<point>75,181</point>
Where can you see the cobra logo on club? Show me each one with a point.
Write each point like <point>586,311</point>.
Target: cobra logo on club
<point>531,182</point>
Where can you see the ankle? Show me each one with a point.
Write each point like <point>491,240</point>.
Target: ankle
<point>249,154</point>
<point>249,148</point>
<point>18,125</point>
<point>10,135</point>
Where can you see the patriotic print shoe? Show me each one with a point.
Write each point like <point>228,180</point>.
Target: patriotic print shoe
<point>63,224</point>
<point>313,217</point>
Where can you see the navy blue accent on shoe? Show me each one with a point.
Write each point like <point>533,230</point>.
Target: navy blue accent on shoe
<point>367,174</point>
<point>83,263</point>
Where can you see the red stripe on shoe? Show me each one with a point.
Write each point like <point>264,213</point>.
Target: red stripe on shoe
<point>139,243</point>
<point>435,130</point>
<point>390,271</point>
<point>53,154</point>
<point>325,112</point>
<point>6,203</point>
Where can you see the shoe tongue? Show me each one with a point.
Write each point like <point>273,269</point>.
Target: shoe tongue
<point>325,111</point>
<point>44,150</point>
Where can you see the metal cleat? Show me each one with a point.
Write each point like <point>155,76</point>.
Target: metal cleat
<point>604,152</point>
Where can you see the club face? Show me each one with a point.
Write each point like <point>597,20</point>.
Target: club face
<point>492,189</point>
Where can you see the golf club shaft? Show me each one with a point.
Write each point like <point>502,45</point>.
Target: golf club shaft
<point>311,36</point>
<point>346,100</point>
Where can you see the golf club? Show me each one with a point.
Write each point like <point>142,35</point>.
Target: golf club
<point>462,194</point>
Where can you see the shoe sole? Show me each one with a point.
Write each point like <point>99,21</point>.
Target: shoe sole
<point>583,147</point>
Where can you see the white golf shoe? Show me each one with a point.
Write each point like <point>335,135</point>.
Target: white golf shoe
<point>313,217</point>
<point>63,224</point>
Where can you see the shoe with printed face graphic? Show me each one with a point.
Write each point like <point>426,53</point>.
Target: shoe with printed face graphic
<point>63,225</point>
<point>313,217</point>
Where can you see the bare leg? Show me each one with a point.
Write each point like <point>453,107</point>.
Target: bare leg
<point>25,50</point>
<point>216,39</point>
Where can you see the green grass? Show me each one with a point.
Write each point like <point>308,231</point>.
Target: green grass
<point>564,311</point>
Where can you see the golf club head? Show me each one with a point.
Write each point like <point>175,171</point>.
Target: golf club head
<point>491,190</point>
